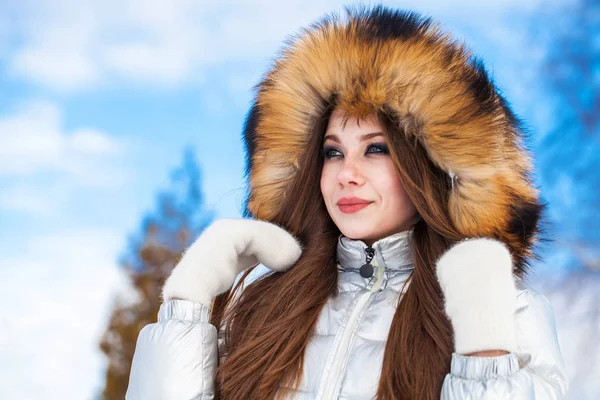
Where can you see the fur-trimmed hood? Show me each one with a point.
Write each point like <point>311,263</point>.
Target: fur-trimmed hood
<point>383,60</point>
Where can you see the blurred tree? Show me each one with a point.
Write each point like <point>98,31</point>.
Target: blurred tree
<point>179,218</point>
<point>569,160</point>
<point>569,152</point>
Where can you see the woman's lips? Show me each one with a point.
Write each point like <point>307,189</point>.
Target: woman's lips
<point>352,208</point>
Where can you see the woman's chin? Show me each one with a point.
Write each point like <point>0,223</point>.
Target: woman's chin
<point>357,234</point>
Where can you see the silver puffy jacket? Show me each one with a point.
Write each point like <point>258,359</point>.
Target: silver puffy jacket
<point>176,357</point>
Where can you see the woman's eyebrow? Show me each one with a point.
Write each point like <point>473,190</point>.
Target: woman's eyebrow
<point>364,137</point>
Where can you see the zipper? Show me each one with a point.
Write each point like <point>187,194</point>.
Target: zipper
<point>336,368</point>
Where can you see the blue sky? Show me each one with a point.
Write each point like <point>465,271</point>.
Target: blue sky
<point>98,101</point>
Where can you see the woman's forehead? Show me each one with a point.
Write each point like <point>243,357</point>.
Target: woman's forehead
<point>343,125</point>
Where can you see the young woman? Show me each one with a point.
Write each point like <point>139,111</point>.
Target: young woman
<point>390,196</point>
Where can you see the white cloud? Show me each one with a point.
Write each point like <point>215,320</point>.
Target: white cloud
<point>71,45</point>
<point>58,296</point>
<point>30,139</point>
<point>43,166</point>
<point>93,142</point>
<point>74,45</point>
<point>55,66</point>
<point>33,199</point>
<point>145,62</point>
<point>33,141</point>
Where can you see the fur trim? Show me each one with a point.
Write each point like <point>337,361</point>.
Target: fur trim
<point>480,295</point>
<point>405,66</point>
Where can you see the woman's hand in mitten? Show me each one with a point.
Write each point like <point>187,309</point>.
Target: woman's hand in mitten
<point>226,248</point>
<point>480,296</point>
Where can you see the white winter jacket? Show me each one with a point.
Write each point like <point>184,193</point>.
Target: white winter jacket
<point>176,357</point>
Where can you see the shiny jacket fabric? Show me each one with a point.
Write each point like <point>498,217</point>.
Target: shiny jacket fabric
<point>176,357</point>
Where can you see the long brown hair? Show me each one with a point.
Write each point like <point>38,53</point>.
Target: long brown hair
<point>268,322</point>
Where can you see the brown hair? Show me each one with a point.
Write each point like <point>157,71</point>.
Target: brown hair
<point>268,324</point>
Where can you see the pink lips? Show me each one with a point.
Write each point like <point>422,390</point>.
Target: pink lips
<point>349,205</point>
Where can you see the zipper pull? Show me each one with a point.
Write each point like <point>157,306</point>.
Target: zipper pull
<point>366,271</point>
<point>378,277</point>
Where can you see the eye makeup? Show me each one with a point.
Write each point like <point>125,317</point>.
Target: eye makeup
<point>329,152</point>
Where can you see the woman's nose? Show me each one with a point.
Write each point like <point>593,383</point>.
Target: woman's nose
<point>350,173</point>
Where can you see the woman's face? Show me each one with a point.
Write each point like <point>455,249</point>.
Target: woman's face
<point>360,184</point>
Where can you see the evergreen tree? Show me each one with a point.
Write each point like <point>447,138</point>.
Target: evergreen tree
<point>151,255</point>
<point>568,154</point>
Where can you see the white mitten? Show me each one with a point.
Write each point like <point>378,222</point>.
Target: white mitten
<point>480,295</point>
<point>226,248</point>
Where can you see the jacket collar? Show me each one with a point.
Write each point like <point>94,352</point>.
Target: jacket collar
<point>392,252</point>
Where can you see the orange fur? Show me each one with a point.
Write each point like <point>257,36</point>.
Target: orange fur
<point>423,80</point>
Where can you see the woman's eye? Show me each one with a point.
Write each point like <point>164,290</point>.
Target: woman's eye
<point>330,152</point>
<point>378,148</point>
